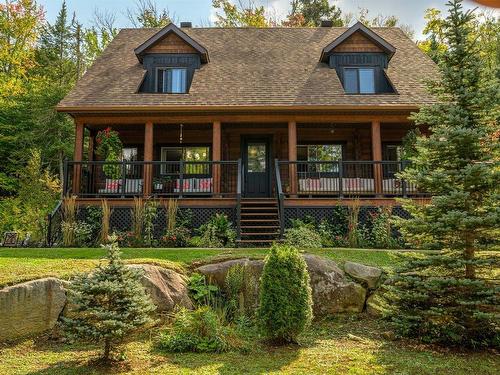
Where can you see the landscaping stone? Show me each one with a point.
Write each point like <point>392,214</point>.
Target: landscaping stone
<point>166,287</point>
<point>365,274</point>
<point>332,291</point>
<point>30,308</point>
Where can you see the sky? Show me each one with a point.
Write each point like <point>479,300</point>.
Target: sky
<point>201,13</point>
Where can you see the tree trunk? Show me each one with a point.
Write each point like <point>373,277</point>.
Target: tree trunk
<point>470,269</point>
<point>107,349</point>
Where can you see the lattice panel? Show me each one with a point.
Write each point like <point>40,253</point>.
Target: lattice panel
<point>121,219</point>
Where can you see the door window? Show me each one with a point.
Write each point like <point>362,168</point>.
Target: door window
<point>256,157</point>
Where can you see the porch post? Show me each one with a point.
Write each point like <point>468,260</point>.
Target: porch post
<point>377,156</point>
<point>216,155</point>
<point>148,157</point>
<point>292,156</point>
<point>78,155</point>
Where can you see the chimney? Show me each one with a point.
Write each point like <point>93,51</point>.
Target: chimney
<point>326,23</point>
<point>186,25</point>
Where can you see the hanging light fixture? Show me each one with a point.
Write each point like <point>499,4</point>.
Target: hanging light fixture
<point>181,133</point>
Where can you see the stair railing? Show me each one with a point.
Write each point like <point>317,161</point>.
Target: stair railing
<point>281,198</point>
<point>238,201</point>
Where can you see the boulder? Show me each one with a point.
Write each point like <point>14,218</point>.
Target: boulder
<point>364,274</point>
<point>166,287</point>
<point>332,291</point>
<point>30,308</point>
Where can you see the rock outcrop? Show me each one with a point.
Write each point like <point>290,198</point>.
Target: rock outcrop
<point>166,287</point>
<point>332,291</point>
<point>30,308</point>
<point>364,274</point>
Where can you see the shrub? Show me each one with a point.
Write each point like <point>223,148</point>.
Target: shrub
<point>178,237</point>
<point>69,224</point>
<point>303,237</point>
<point>107,304</point>
<point>150,211</point>
<point>380,235</point>
<point>217,232</point>
<point>201,330</point>
<point>234,288</point>
<point>285,295</point>
<point>200,291</point>
<point>177,233</point>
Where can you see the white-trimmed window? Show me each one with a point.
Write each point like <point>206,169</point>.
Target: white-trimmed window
<point>320,152</point>
<point>171,80</point>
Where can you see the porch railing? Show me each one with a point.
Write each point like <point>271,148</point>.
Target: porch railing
<point>158,179</point>
<point>343,179</point>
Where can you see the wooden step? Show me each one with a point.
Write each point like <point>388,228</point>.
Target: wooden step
<point>259,208</point>
<point>259,226</point>
<point>259,220</point>
<point>259,234</point>
<point>257,241</point>
<point>259,214</point>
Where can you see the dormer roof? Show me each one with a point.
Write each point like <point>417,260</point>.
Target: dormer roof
<point>175,34</point>
<point>358,31</point>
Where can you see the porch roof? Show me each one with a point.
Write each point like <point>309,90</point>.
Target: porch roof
<point>250,68</point>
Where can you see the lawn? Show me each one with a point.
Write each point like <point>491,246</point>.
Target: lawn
<point>17,265</point>
<point>344,345</point>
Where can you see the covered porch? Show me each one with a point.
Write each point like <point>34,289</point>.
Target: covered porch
<point>306,157</point>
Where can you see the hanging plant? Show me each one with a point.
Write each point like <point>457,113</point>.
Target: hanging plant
<point>109,147</point>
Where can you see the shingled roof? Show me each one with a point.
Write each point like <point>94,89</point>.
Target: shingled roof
<point>250,67</point>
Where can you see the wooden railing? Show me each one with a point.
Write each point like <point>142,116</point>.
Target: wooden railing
<point>160,179</point>
<point>342,179</point>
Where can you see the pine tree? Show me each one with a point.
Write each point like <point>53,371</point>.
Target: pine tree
<point>450,297</point>
<point>108,304</point>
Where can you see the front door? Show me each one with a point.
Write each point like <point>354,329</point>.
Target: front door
<point>256,166</point>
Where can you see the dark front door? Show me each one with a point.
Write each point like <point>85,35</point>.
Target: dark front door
<point>256,166</point>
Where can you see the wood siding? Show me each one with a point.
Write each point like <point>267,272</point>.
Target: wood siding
<point>171,44</point>
<point>358,43</point>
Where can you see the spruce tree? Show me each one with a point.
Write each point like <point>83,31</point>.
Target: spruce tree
<point>451,297</point>
<point>107,304</point>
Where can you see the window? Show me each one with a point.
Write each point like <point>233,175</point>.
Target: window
<point>172,80</point>
<point>359,80</point>
<point>331,152</point>
<point>190,154</point>
<point>392,153</point>
<point>129,154</point>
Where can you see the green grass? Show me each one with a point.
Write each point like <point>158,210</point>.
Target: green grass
<point>345,345</point>
<point>18,265</point>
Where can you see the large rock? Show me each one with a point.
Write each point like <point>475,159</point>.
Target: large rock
<point>365,274</point>
<point>166,287</point>
<point>30,308</point>
<point>332,292</point>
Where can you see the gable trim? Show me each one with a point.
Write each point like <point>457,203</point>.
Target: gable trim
<point>171,28</point>
<point>382,43</point>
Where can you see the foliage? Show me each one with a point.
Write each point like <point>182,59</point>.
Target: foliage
<point>234,288</point>
<point>312,12</point>
<point>138,220</point>
<point>178,233</point>
<point>238,15</point>
<point>105,222</point>
<point>150,211</point>
<point>448,297</point>
<point>285,295</point>
<point>108,304</point>
<point>217,232</point>
<point>37,196</point>
<point>109,147</point>
<point>178,237</point>
<point>380,235</point>
<point>201,291</point>
<point>201,330</point>
<point>303,237</point>
<point>147,14</point>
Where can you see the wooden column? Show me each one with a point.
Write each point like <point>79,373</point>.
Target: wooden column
<point>377,156</point>
<point>216,155</point>
<point>148,156</point>
<point>78,155</point>
<point>292,156</point>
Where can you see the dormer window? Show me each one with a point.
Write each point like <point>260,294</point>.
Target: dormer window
<point>171,80</point>
<point>359,80</point>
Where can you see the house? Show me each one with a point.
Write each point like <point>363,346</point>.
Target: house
<point>265,124</point>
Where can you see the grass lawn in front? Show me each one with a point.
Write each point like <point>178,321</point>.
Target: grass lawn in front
<point>342,345</point>
<point>18,265</point>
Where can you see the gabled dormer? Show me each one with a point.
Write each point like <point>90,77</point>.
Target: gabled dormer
<point>360,57</point>
<point>170,58</point>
